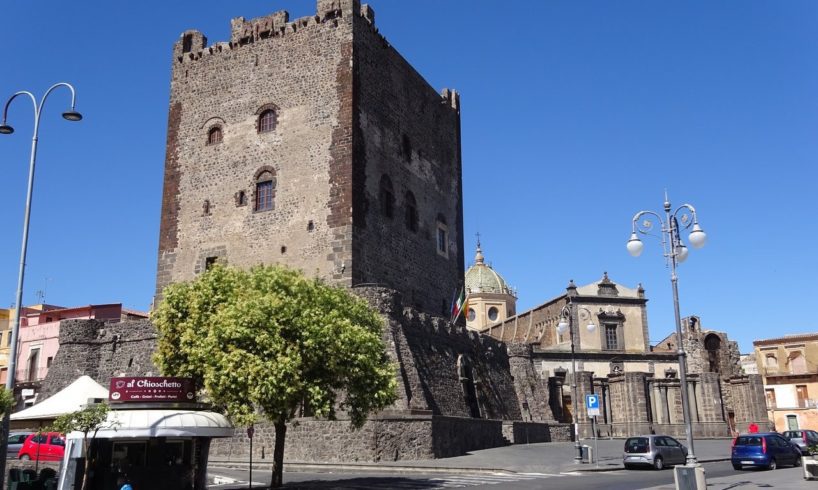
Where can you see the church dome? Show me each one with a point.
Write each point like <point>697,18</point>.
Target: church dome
<point>481,278</point>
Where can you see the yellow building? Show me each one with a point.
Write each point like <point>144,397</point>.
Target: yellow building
<point>789,366</point>
<point>6,314</point>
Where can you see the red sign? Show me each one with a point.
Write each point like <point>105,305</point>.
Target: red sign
<point>151,389</point>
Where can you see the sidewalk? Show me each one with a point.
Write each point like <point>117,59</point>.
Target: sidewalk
<point>781,479</point>
<point>549,458</point>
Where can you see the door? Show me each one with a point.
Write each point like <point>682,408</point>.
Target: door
<point>792,422</point>
<point>675,449</point>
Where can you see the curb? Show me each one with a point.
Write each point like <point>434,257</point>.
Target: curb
<point>619,467</point>
<point>352,468</point>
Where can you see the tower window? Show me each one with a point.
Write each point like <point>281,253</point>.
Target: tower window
<point>472,315</point>
<point>187,43</point>
<point>241,198</point>
<point>214,136</point>
<point>442,236</point>
<point>265,190</point>
<point>210,262</point>
<point>411,213</point>
<point>387,197</point>
<point>310,226</point>
<point>267,121</point>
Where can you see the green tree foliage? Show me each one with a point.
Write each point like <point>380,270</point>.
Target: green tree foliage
<point>6,401</point>
<point>89,420</point>
<point>269,341</point>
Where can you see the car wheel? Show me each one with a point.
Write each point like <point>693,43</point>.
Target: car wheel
<point>658,463</point>
<point>797,461</point>
<point>773,465</point>
<point>736,466</point>
<point>25,457</point>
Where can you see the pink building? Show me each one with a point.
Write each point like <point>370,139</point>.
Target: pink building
<point>39,339</point>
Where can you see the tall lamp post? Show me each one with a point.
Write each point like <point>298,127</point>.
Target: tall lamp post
<point>567,323</point>
<point>70,115</point>
<point>675,252</point>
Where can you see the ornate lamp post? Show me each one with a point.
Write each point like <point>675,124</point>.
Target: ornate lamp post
<point>675,252</point>
<point>567,323</point>
<point>70,115</point>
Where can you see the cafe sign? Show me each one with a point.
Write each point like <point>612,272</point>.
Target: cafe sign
<point>151,389</point>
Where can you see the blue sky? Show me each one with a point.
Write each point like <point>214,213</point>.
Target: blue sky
<point>575,116</point>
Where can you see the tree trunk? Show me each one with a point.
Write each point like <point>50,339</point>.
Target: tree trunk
<point>278,454</point>
<point>87,463</point>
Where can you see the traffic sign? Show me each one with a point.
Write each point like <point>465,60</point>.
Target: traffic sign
<point>592,404</point>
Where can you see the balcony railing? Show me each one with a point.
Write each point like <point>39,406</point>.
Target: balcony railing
<point>31,375</point>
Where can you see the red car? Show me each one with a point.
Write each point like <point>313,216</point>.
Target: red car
<point>45,446</point>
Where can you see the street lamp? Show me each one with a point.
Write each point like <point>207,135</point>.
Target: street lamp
<point>567,323</point>
<point>675,253</point>
<point>70,115</point>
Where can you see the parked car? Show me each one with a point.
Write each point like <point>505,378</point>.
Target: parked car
<point>45,446</point>
<point>654,450</point>
<point>16,440</point>
<point>802,438</point>
<point>765,450</point>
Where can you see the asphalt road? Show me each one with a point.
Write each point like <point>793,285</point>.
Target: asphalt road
<point>608,480</point>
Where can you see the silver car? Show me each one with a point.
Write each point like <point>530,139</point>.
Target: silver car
<point>16,440</point>
<point>654,450</point>
<point>802,438</point>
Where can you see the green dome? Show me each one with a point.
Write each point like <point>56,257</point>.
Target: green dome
<point>481,278</point>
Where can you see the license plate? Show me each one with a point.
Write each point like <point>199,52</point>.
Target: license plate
<point>746,462</point>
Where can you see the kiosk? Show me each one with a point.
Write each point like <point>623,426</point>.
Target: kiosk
<point>156,435</point>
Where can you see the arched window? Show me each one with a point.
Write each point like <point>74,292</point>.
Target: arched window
<point>798,365</point>
<point>411,212</point>
<point>265,190</point>
<point>214,136</point>
<point>771,363</point>
<point>387,197</point>
<point>267,121</point>
<point>712,344</point>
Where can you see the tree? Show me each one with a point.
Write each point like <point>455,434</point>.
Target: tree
<point>6,401</point>
<point>270,341</point>
<point>90,419</point>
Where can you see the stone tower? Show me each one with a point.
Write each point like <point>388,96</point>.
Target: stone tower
<point>314,144</point>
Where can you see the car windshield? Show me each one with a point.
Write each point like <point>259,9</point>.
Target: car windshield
<point>637,445</point>
<point>791,434</point>
<point>748,441</point>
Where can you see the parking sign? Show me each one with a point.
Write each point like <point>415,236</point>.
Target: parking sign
<point>592,404</point>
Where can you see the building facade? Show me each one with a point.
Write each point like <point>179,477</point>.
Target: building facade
<point>638,385</point>
<point>789,366</point>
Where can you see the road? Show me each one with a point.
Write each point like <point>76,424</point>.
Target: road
<point>608,480</point>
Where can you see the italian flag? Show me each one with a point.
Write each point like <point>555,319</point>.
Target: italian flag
<point>459,304</point>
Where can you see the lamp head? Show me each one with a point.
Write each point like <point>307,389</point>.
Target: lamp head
<point>681,253</point>
<point>635,245</point>
<point>591,327</point>
<point>6,129</point>
<point>562,326</point>
<point>697,237</point>
<point>72,115</point>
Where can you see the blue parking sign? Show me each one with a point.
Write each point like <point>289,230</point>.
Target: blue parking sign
<point>592,404</point>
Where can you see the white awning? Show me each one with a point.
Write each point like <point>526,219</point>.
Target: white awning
<point>70,399</point>
<point>162,423</point>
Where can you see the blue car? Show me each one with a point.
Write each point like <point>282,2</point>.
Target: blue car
<point>764,450</point>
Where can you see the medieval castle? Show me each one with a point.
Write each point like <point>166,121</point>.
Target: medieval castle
<point>313,143</point>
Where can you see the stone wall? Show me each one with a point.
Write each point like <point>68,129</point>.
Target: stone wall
<point>101,350</point>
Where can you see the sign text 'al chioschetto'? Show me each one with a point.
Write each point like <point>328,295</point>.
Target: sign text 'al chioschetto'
<point>144,389</point>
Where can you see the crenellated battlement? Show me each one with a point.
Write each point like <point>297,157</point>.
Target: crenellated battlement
<point>192,44</point>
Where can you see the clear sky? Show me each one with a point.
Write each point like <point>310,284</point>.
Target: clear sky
<point>575,115</point>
